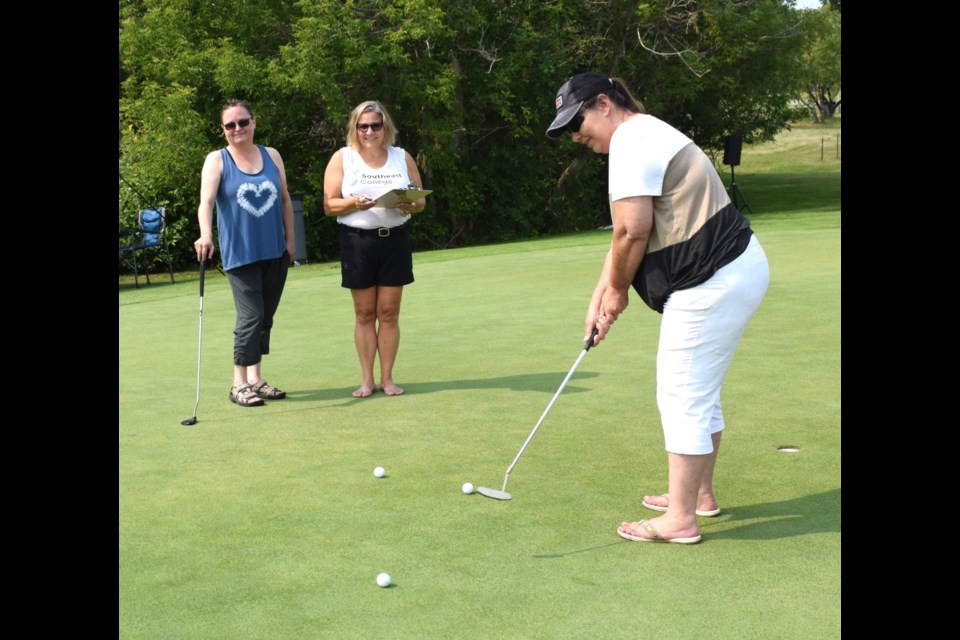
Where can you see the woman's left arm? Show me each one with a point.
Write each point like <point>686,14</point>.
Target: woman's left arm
<point>286,205</point>
<point>414,173</point>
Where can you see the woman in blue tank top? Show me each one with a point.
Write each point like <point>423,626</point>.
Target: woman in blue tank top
<point>256,234</point>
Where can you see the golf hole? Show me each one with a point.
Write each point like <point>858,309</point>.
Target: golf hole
<point>788,448</point>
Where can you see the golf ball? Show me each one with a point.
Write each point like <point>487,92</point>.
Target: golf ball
<point>383,580</point>
<point>380,472</point>
<point>467,487</point>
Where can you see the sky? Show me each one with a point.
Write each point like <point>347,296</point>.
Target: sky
<point>808,4</point>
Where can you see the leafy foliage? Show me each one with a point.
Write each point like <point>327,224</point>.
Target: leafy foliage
<point>470,84</point>
<point>821,62</point>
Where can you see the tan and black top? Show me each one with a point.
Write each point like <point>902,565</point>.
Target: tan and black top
<point>696,228</point>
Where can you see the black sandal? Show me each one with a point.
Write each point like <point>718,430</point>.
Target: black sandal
<point>267,391</point>
<point>245,396</point>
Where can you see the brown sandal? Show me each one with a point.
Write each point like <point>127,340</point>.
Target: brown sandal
<point>245,396</point>
<point>267,391</point>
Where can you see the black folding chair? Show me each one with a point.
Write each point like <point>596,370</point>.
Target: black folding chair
<point>149,235</point>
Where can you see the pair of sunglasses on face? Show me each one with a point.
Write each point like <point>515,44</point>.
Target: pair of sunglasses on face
<point>373,126</point>
<point>574,125</point>
<point>230,126</point>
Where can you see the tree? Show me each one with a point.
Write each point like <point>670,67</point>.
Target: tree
<point>821,63</point>
<point>179,60</point>
<point>711,68</point>
<point>470,84</point>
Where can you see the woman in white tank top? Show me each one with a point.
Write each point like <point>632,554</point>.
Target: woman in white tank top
<point>376,259</point>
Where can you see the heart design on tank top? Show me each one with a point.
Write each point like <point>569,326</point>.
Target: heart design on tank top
<point>256,193</point>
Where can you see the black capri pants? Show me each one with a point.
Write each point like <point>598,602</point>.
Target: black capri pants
<point>257,288</point>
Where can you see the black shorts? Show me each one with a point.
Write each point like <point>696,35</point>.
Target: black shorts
<point>371,257</point>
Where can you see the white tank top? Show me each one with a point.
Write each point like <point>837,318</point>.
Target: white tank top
<point>359,179</point>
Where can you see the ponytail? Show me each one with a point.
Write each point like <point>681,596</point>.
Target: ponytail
<point>623,98</point>
<point>620,96</point>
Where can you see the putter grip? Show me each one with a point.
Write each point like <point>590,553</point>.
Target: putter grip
<point>203,265</point>
<point>589,341</point>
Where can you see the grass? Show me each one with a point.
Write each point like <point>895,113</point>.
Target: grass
<point>269,523</point>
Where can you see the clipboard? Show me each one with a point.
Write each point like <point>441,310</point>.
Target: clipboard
<point>391,198</point>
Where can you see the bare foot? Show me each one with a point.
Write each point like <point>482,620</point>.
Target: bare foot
<point>364,391</point>
<point>391,389</point>
<point>706,505</point>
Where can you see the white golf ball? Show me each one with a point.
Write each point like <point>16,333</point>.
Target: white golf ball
<point>467,487</point>
<point>383,580</point>
<point>380,472</point>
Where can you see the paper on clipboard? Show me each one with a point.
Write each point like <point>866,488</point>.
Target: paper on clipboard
<point>391,198</point>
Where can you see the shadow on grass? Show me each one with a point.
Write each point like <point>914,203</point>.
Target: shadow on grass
<point>547,382</point>
<point>816,513</point>
<point>570,553</point>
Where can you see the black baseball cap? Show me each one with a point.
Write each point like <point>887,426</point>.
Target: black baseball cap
<point>571,97</point>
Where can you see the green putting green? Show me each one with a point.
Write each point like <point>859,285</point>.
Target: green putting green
<point>270,523</point>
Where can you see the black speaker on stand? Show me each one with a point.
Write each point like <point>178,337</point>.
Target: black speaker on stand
<point>731,156</point>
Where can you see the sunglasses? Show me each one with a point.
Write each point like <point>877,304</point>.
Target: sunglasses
<point>574,125</point>
<point>374,126</point>
<point>230,126</point>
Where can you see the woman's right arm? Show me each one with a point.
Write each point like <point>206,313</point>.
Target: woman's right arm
<point>334,202</point>
<point>209,184</point>
<point>632,225</point>
<point>593,309</point>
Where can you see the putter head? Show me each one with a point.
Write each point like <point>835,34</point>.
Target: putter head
<point>189,422</point>
<point>496,494</point>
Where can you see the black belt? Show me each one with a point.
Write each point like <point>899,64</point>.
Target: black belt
<point>382,232</point>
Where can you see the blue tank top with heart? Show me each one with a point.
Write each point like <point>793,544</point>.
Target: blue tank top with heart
<point>249,213</point>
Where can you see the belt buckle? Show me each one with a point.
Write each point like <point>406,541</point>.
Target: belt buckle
<point>383,232</point>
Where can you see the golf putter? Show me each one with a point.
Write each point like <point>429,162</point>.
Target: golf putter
<point>193,420</point>
<point>502,494</point>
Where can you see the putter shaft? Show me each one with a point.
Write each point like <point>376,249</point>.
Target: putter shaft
<point>193,420</point>
<point>586,347</point>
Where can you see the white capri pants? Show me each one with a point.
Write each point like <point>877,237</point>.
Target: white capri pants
<point>699,333</point>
